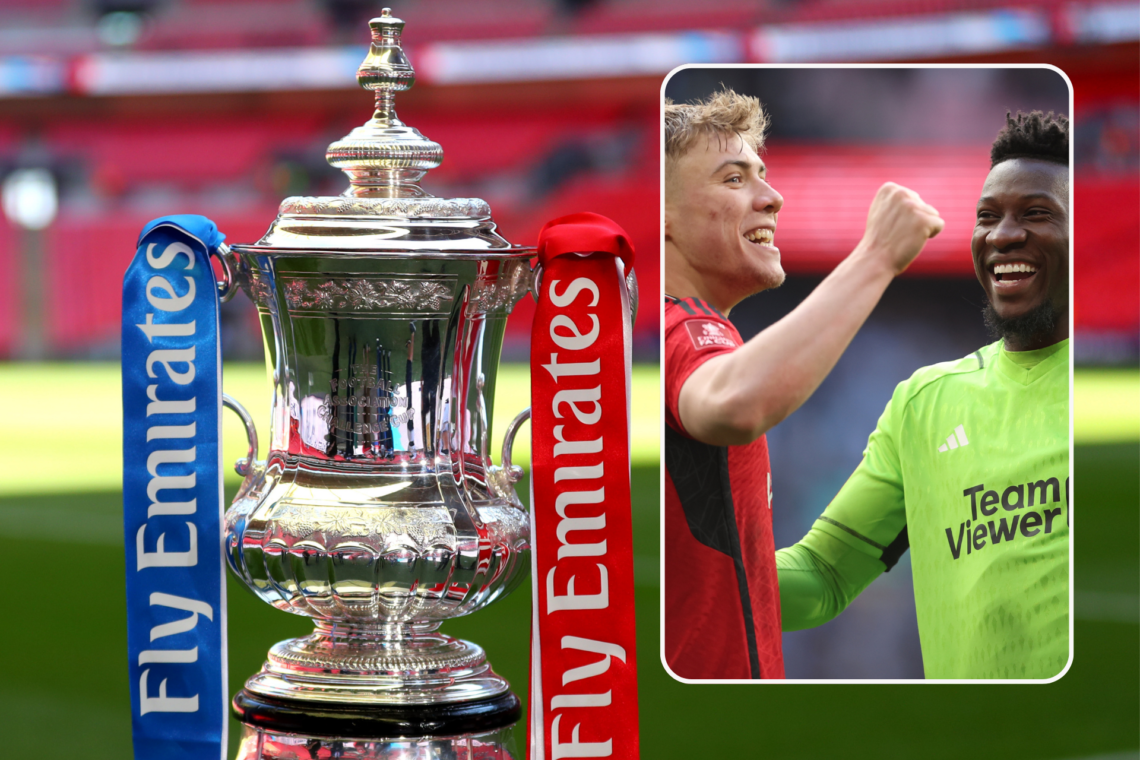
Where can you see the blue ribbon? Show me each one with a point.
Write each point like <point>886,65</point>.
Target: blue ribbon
<point>172,493</point>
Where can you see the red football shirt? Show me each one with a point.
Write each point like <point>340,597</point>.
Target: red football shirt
<point>722,598</point>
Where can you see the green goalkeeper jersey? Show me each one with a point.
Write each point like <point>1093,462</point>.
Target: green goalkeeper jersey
<point>968,465</point>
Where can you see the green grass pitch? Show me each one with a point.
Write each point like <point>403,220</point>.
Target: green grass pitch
<point>63,681</point>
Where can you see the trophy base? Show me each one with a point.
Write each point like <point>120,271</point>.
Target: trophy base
<point>275,729</point>
<point>396,664</point>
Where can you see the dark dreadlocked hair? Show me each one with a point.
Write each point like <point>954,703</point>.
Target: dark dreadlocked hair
<point>1032,135</point>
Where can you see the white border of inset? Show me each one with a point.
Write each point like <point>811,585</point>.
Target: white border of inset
<point>1071,490</point>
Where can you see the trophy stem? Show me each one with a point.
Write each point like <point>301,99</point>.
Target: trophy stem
<point>384,664</point>
<point>385,114</point>
<point>333,633</point>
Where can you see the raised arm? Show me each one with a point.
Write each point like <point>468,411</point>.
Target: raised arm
<point>736,397</point>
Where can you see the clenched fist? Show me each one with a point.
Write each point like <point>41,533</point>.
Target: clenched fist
<point>899,223</point>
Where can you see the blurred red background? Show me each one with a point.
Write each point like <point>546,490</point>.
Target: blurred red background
<point>140,108</point>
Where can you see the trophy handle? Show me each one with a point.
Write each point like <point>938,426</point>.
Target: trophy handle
<point>513,471</point>
<point>630,284</point>
<point>226,290</point>
<point>502,478</point>
<point>247,467</point>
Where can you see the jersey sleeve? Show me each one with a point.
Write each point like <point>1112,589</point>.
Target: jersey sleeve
<point>694,333</point>
<point>816,584</point>
<point>861,534</point>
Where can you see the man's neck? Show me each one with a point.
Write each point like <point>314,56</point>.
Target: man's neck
<point>1017,344</point>
<point>680,292</point>
<point>1041,327</point>
<point>681,282</point>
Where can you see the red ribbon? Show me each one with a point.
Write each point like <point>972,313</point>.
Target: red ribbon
<point>583,689</point>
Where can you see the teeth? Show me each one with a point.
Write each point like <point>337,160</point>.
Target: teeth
<point>1016,267</point>
<point>759,236</point>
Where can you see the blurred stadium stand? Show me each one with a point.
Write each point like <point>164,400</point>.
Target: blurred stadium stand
<point>842,179</point>
<point>1107,206</point>
<point>145,107</point>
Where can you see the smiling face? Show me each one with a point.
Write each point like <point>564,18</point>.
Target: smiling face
<point>1021,251</point>
<point>720,222</point>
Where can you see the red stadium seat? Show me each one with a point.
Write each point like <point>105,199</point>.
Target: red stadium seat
<point>85,263</point>
<point>186,151</point>
<point>669,15</point>
<point>828,189</point>
<point>1105,259</point>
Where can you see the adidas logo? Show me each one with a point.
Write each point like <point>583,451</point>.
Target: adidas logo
<point>955,439</point>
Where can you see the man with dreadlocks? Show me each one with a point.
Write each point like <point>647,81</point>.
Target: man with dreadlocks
<point>722,602</point>
<point>969,463</point>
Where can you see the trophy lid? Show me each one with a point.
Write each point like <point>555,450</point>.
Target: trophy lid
<point>384,207</point>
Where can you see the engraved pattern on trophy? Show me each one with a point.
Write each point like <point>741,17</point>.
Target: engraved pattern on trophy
<point>377,662</point>
<point>403,208</point>
<point>336,554</point>
<point>363,294</point>
<point>501,292</point>
<point>378,511</point>
<point>255,287</point>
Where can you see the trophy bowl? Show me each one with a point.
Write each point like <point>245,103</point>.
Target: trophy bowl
<point>378,512</point>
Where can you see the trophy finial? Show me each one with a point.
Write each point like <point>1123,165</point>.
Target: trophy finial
<point>386,70</point>
<point>384,157</point>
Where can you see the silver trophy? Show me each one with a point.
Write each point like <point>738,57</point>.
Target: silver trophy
<point>377,511</point>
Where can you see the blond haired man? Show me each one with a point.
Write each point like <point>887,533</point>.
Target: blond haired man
<point>722,605</point>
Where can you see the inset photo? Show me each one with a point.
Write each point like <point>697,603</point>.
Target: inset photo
<point>866,374</point>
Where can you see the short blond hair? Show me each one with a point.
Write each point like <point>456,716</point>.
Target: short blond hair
<point>723,113</point>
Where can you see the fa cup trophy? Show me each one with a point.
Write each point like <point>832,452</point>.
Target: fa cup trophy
<point>378,512</point>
